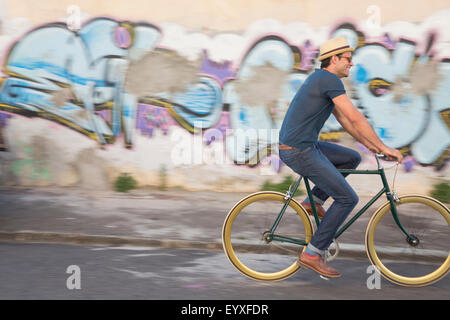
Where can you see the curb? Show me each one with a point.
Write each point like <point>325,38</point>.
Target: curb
<point>109,240</point>
<point>101,240</point>
<point>346,250</point>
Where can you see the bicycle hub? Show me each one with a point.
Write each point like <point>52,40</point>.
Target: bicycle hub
<point>267,237</point>
<point>413,240</point>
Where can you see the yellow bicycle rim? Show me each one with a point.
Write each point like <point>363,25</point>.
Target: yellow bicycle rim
<point>425,280</point>
<point>228,246</point>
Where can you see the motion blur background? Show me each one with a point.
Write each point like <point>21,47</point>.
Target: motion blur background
<point>191,94</point>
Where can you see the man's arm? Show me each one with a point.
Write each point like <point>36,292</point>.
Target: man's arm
<point>358,126</point>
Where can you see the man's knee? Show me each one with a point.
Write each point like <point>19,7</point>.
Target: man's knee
<point>355,199</point>
<point>356,159</point>
<point>351,199</point>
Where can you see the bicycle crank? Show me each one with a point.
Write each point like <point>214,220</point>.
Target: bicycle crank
<point>329,256</point>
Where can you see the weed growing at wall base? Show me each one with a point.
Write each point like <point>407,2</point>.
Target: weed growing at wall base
<point>125,183</point>
<point>282,186</point>
<point>162,178</point>
<point>441,191</point>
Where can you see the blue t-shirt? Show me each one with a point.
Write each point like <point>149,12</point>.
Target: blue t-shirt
<point>310,108</point>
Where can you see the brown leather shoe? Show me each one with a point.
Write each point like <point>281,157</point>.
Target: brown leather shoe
<point>319,209</point>
<point>316,264</point>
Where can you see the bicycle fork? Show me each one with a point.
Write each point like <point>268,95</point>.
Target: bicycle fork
<point>393,199</point>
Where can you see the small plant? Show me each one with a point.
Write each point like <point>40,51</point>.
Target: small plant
<point>162,178</point>
<point>282,186</point>
<point>441,192</point>
<point>125,183</point>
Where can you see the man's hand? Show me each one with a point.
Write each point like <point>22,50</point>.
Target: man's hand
<point>392,154</point>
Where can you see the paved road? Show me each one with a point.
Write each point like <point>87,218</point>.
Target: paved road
<point>47,271</point>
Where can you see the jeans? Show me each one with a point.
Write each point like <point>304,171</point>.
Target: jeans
<point>319,163</point>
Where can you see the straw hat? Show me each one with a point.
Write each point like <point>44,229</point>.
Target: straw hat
<point>333,47</point>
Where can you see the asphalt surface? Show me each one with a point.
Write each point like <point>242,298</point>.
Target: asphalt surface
<point>43,271</point>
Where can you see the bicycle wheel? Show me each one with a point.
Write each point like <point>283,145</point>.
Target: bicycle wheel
<point>244,230</point>
<point>403,261</point>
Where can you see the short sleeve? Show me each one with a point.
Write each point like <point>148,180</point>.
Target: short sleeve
<point>332,86</point>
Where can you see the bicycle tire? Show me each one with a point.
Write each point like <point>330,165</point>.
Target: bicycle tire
<point>244,215</point>
<point>428,220</point>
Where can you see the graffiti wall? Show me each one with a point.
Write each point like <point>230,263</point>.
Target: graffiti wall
<point>142,93</point>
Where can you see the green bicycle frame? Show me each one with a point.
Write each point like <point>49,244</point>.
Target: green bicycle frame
<point>385,190</point>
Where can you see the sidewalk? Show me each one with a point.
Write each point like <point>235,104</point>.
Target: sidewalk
<point>152,218</point>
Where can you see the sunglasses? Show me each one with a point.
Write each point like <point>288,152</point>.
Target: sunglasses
<point>349,59</point>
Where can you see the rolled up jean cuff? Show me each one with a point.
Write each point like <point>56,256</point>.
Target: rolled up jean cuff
<point>314,249</point>
<point>316,200</point>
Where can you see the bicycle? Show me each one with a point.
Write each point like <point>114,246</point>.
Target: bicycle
<point>415,228</point>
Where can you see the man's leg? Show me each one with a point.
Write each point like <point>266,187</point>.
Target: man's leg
<point>314,165</point>
<point>330,182</point>
<point>342,158</point>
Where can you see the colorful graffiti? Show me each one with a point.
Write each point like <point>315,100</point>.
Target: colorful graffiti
<point>31,164</point>
<point>77,78</point>
<point>87,65</point>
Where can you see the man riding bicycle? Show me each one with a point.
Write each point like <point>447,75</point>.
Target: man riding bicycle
<point>320,95</point>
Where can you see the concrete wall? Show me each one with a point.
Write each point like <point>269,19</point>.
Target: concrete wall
<point>199,91</point>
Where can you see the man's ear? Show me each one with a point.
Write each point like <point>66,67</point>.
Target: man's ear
<point>334,59</point>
